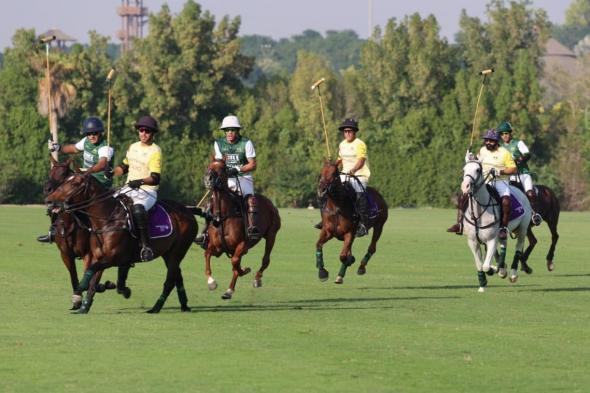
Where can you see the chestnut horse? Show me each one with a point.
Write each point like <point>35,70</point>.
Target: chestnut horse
<point>72,237</point>
<point>113,243</point>
<point>338,220</point>
<point>226,232</point>
<point>549,209</point>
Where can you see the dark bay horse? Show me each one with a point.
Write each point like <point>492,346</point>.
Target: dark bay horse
<point>549,209</point>
<point>72,236</point>
<point>113,243</point>
<point>227,232</point>
<point>338,220</point>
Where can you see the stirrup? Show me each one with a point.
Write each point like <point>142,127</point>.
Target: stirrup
<point>536,219</point>
<point>456,229</point>
<point>46,238</point>
<point>146,254</point>
<point>318,225</point>
<point>361,230</point>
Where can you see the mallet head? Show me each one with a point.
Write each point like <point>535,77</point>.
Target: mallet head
<point>46,40</point>
<point>110,75</point>
<point>486,72</point>
<point>317,83</point>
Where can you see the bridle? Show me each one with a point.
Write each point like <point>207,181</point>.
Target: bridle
<point>82,189</point>
<point>326,186</point>
<point>477,183</point>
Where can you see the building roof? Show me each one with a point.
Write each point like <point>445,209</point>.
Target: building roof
<point>59,35</point>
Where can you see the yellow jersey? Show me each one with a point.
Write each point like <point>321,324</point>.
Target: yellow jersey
<point>350,153</point>
<point>143,160</point>
<point>499,159</point>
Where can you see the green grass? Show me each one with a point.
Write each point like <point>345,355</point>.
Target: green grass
<point>413,323</point>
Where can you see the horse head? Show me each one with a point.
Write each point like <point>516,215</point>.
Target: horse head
<point>472,177</point>
<point>329,177</point>
<point>73,190</point>
<point>58,173</point>
<point>216,176</point>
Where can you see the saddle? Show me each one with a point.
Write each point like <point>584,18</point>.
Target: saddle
<point>159,221</point>
<point>516,208</point>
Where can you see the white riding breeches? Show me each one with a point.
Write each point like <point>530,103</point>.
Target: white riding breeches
<point>359,183</point>
<point>246,185</point>
<point>502,188</point>
<point>525,179</point>
<point>147,198</point>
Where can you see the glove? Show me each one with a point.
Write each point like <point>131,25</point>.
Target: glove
<point>232,172</point>
<point>469,156</point>
<point>108,172</point>
<point>351,172</point>
<point>494,172</point>
<point>135,184</point>
<point>53,146</point>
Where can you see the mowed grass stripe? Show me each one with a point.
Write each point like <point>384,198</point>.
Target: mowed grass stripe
<point>413,323</point>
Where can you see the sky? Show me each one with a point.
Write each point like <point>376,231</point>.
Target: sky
<point>274,18</point>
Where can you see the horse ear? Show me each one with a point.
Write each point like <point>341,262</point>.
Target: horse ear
<point>338,162</point>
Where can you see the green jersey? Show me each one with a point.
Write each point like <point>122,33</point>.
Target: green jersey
<point>234,154</point>
<point>92,154</point>
<point>518,150</point>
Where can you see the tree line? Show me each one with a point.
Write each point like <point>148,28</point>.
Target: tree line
<point>413,92</point>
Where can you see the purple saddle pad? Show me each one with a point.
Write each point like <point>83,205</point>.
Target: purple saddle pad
<point>517,208</point>
<point>372,206</point>
<point>160,224</point>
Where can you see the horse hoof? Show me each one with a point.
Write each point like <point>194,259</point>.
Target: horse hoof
<point>492,270</point>
<point>257,283</point>
<point>126,292</point>
<point>227,295</point>
<point>100,288</point>
<point>76,306</point>
<point>527,269</point>
<point>513,276</point>
<point>481,290</point>
<point>185,308</point>
<point>323,274</point>
<point>361,270</point>
<point>339,280</point>
<point>502,273</point>
<point>83,310</point>
<point>550,266</point>
<point>245,271</point>
<point>109,285</point>
<point>211,284</point>
<point>153,311</point>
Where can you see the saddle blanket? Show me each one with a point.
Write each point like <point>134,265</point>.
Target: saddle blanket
<point>373,208</point>
<point>517,208</point>
<point>160,224</point>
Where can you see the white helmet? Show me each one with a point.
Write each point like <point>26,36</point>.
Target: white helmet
<point>230,122</point>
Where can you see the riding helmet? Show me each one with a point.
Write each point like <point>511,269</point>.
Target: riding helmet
<point>505,126</point>
<point>491,134</point>
<point>349,123</point>
<point>92,124</point>
<point>230,121</point>
<point>147,122</point>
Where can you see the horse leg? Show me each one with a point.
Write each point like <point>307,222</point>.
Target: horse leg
<point>377,230</point>
<point>68,259</point>
<point>269,244</point>
<point>237,270</point>
<point>502,259</point>
<point>319,255</point>
<point>346,257</point>
<point>523,255</point>
<point>172,272</point>
<point>182,297</point>
<point>554,238</point>
<point>122,289</point>
<point>532,243</point>
<point>87,301</point>
<point>211,283</point>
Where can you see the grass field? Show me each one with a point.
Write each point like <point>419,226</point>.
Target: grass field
<point>413,323</point>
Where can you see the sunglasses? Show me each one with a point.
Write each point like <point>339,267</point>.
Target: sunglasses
<point>348,130</point>
<point>231,129</point>
<point>145,130</point>
<point>93,133</point>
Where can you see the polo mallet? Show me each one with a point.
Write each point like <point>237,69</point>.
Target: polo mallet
<point>316,86</point>
<point>109,79</point>
<point>47,40</point>
<point>483,80</point>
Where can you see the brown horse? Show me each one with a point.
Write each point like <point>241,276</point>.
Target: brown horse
<point>71,233</point>
<point>114,244</point>
<point>338,220</point>
<point>549,209</point>
<point>226,231</point>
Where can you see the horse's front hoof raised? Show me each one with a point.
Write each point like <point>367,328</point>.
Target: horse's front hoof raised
<point>126,292</point>
<point>550,265</point>
<point>245,271</point>
<point>323,274</point>
<point>109,285</point>
<point>527,269</point>
<point>227,295</point>
<point>257,283</point>
<point>339,280</point>
<point>361,270</point>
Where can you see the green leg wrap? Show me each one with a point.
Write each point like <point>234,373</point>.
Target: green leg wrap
<point>483,281</point>
<point>86,280</point>
<point>342,271</point>
<point>182,298</point>
<point>319,259</point>
<point>517,257</point>
<point>366,258</point>
<point>502,261</point>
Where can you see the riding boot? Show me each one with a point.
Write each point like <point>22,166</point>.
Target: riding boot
<point>503,234</point>
<point>457,227</point>
<point>536,218</point>
<point>361,209</point>
<point>201,238</point>
<point>253,231</point>
<point>50,237</point>
<point>140,220</point>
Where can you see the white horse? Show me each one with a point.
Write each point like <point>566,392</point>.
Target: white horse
<point>481,224</point>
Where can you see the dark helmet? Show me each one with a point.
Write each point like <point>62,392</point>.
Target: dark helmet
<point>147,122</point>
<point>349,123</point>
<point>92,124</point>
<point>505,126</point>
<point>492,135</point>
